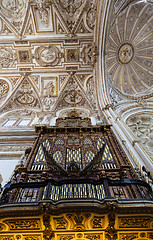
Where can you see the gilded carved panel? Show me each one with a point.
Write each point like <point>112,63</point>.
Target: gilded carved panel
<point>22,224</point>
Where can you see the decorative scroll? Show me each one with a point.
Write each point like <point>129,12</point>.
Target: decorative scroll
<point>111,232</point>
<point>48,234</point>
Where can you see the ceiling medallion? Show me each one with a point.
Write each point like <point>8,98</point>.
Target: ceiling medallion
<point>125,53</point>
<point>73,97</point>
<point>47,56</point>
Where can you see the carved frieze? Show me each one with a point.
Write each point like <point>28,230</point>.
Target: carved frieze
<point>7,237</point>
<point>66,237</point>
<point>135,222</point>
<point>128,236</point>
<point>93,236</point>
<point>32,238</point>
<point>22,224</point>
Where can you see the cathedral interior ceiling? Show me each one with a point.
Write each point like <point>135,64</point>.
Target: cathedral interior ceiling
<point>47,55</point>
<point>49,52</point>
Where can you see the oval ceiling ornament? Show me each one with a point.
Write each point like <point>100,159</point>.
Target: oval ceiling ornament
<point>129,59</point>
<point>47,56</point>
<point>125,53</point>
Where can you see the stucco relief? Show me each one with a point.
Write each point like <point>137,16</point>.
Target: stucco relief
<point>4,88</point>
<point>142,126</point>
<point>15,11</point>
<point>70,5</point>
<point>43,13</point>
<point>91,14</point>
<point>7,57</point>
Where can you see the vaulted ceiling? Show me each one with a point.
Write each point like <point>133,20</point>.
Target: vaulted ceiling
<point>94,57</point>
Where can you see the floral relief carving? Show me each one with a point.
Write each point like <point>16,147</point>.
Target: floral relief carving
<point>70,5</point>
<point>13,5</point>
<point>25,95</point>
<point>91,91</point>
<point>7,57</point>
<point>47,102</point>
<point>88,54</point>
<point>72,96</point>
<point>4,88</point>
<point>71,11</point>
